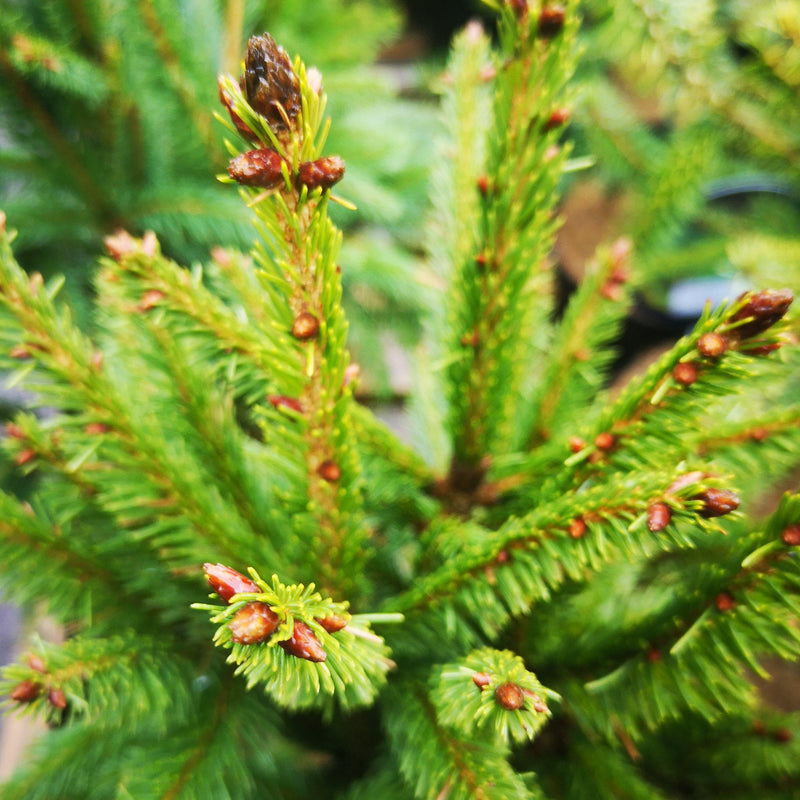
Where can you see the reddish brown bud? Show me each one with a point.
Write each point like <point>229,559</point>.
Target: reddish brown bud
<point>332,623</point>
<point>36,663</point>
<point>57,698</point>
<point>329,471</point>
<point>759,434</point>
<point>305,326</point>
<point>14,431</point>
<point>26,691</point>
<point>227,101</point>
<point>557,119</point>
<point>653,655</point>
<point>95,428</point>
<point>577,528</point>
<point>253,623</point>
<point>762,349</point>
<point>471,339</point>
<point>260,168</point>
<point>150,299</point>
<point>480,261</point>
<point>551,20</point>
<point>659,516</point>
<point>687,479</point>
<point>712,345</point>
<point>483,185</point>
<point>576,444</point>
<point>321,174</point>
<point>481,679</point>
<point>724,602</point>
<point>120,244</point>
<point>19,351</point>
<point>227,582</point>
<point>509,696</point>
<point>605,441</point>
<point>304,644</point>
<point>280,401</point>
<point>620,254</point>
<point>782,735</point>
<point>718,502</point>
<point>685,373</point>
<point>270,83</point>
<point>519,7</point>
<point>761,310</point>
<point>791,535</point>
<point>24,456</point>
<point>539,706</point>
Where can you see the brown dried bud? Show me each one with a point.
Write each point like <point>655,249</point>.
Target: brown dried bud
<point>577,528</point>
<point>685,373</point>
<point>509,696</point>
<point>762,310</point>
<point>227,101</point>
<point>605,441</point>
<point>329,471</point>
<point>227,582</point>
<point>332,623</point>
<point>481,679</point>
<point>57,698</point>
<point>321,174</point>
<point>270,83</point>
<point>551,20</point>
<point>557,119</point>
<point>712,345</point>
<point>724,602</point>
<point>718,502</point>
<point>791,535</point>
<point>305,326</point>
<point>260,168</point>
<point>659,516</point>
<point>253,623</point>
<point>26,691</point>
<point>304,644</point>
<point>280,401</point>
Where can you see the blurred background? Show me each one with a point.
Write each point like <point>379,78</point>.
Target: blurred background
<point>684,118</point>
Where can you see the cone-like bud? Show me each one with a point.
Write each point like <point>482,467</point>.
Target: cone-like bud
<point>577,528</point>
<point>227,582</point>
<point>227,101</point>
<point>333,623</point>
<point>509,696</point>
<point>712,345</point>
<point>659,516</point>
<point>260,168</point>
<point>270,83</point>
<point>557,119</point>
<point>26,691</point>
<point>280,401</point>
<point>322,173</point>
<point>605,441</point>
<point>718,502</point>
<point>304,644</point>
<point>685,373</point>
<point>481,679</point>
<point>305,326</point>
<point>329,471</point>
<point>57,698</point>
<point>791,535</point>
<point>724,602</point>
<point>551,20</point>
<point>253,623</point>
<point>762,310</point>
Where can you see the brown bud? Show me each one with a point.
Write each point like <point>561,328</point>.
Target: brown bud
<point>481,679</point>
<point>227,101</point>
<point>724,602</point>
<point>471,339</point>
<point>57,698</point>
<point>270,83</point>
<point>519,7</point>
<point>551,20</point>
<point>95,428</point>
<point>576,444</point>
<point>480,261</point>
<point>685,373</point>
<point>150,299</point>
<point>280,401</point>
<point>612,290</point>
<point>483,185</point>
<point>509,696</point>
<point>304,644</point>
<point>227,582</point>
<point>320,174</point>
<point>260,168</point>
<point>605,441</point>
<point>577,528</point>
<point>782,735</point>
<point>557,119</point>
<point>36,663</point>
<point>15,431</point>
<point>687,479</point>
<point>718,502</point>
<point>761,310</point>
<point>712,345</point>
<point>305,326</point>
<point>120,244</point>
<point>329,471</point>
<point>332,623</point>
<point>659,516</point>
<point>653,655</point>
<point>539,706</point>
<point>26,691</point>
<point>791,535</point>
<point>24,456</point>
<point>253,623</point>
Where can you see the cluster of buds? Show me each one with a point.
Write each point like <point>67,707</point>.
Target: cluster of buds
<point>272,90</point>
<point>256,621</point>
<point>30,689</point>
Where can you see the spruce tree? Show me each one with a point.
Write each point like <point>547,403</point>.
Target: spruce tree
<point>552,591</point>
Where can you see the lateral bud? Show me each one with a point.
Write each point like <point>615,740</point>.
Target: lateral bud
<point>304,644</point>
<point>320,174</point>
<point>509,696</point>
<point>227,582</point>
<point>761,310</point>
<point>261,168</point>
<point>253,623</point>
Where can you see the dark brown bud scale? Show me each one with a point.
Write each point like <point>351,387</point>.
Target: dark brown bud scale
<point>718,502</point>
<point>26,691</point>
<point>685,373</point>
<point>481,679</point>
<point>321,174</point>
<point>253,623</point>
<point>227,582</point>
<point>551,20</point>
<point>712,345</point>
<point>305,326</point>
<point>261,168</point>
<point>659,515</point>
<point>270,83</point>
<point>509,696</point>
<point>791,535</point>
<point>304,644</point>
<point>761,310</point>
